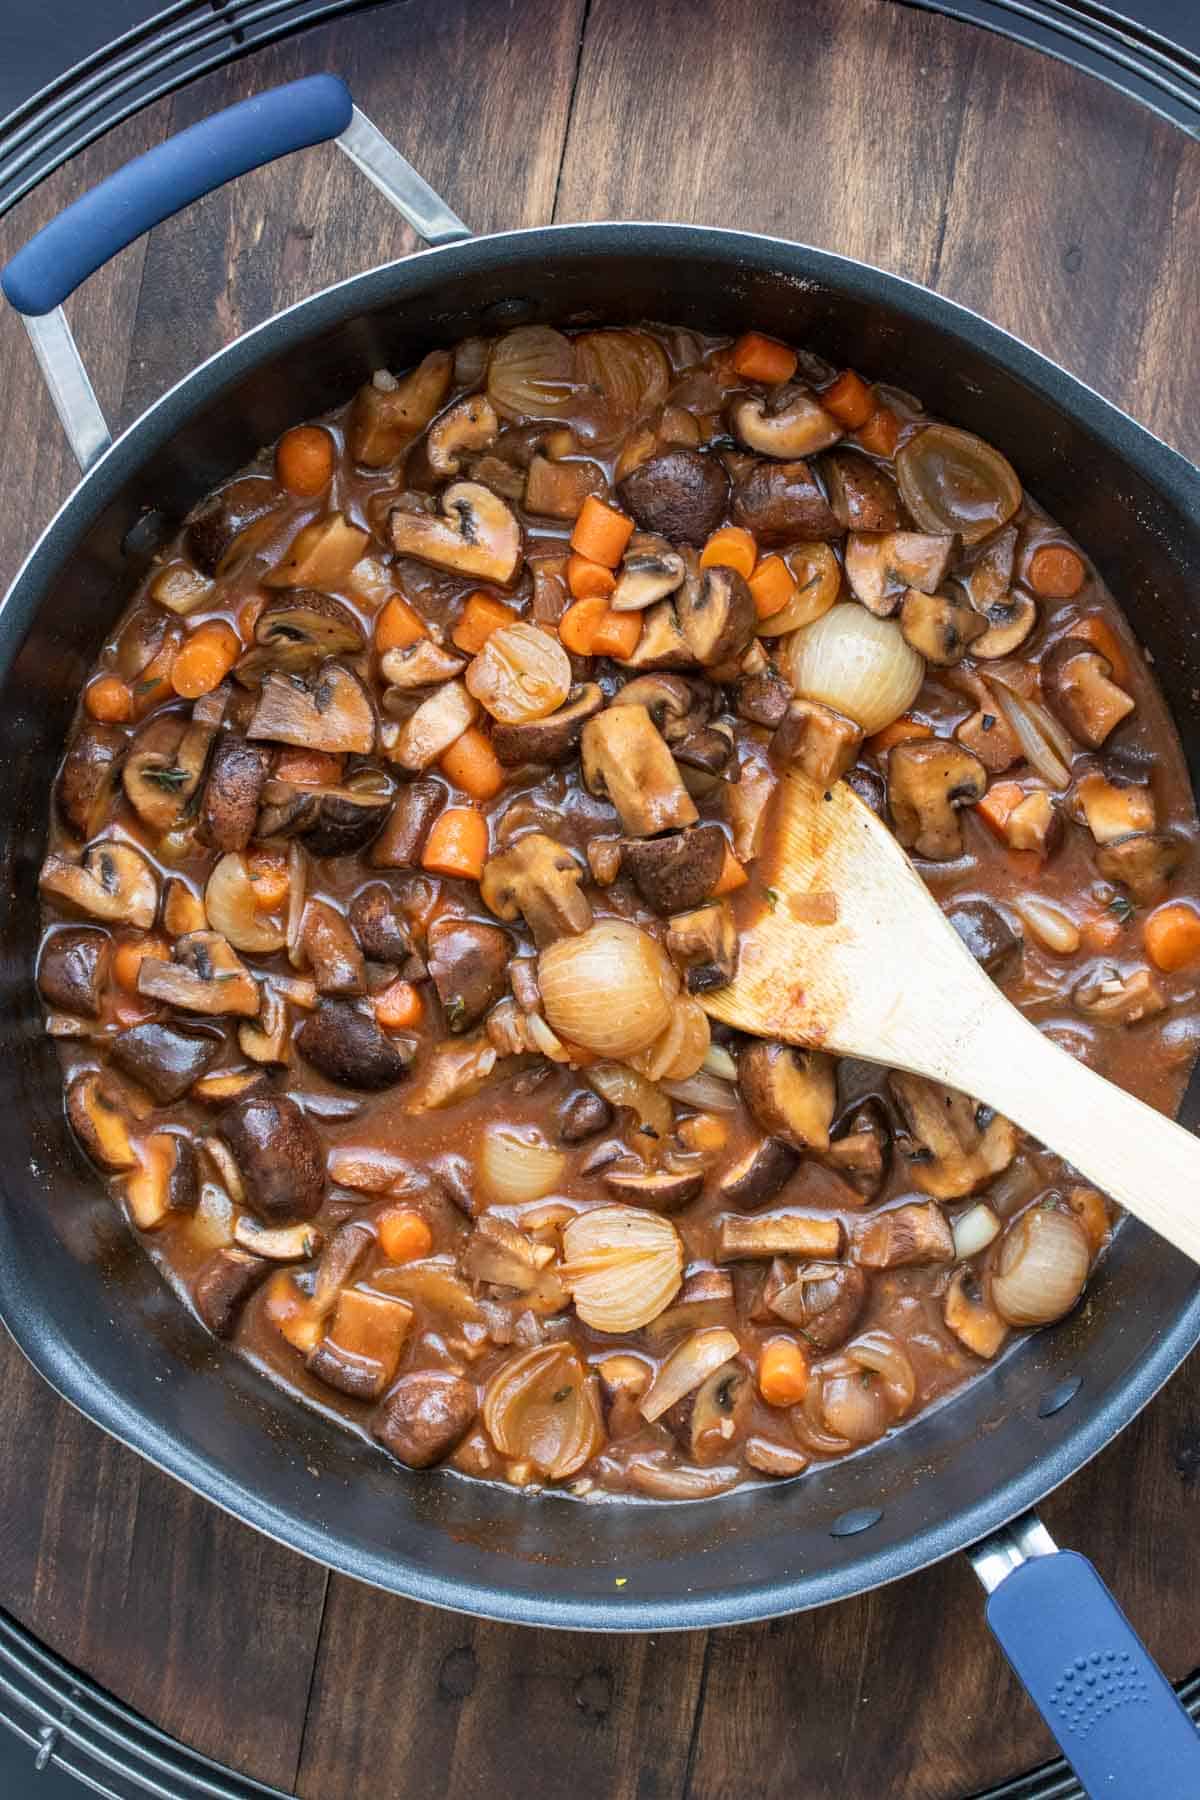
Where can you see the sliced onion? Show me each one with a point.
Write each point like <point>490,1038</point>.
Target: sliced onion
<point>232,908</point>
<point>808,1419</point>
<point>974,1230</point>
<point>516,1164</point>
<point>543,1407</point>
<point>705,1092</point>
<point>700,1355</point>
<point>622,1266</point>
<point>1050,925</point>
<point>879,1352</point>
<point>856,663</point>
<point>531,373</point>
<point>611,989</point>
<point>818,578</point>
<point>628,369</point>
<point>719,1061</point>
<point>1038,734</point>
<point>1041,1267</point>
<point>622,1086</point>
<point>297,895</point>
<point>678,1051</point>
<point>668,1481</point>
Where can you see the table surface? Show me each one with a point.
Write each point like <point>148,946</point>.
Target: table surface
<point>1014,184</point>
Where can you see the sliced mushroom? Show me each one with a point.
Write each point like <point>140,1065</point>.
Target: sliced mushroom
<point>777,1234</point>
<point>331,821</point>
<point>989,579</point>
<point>928,781</point>
<point>204,976</point>
<point>113,882</point>
<point>73,969</point>
<point>164,767</point>
<point>402,838</point>
<point>745,805</point>
<point>347,1046</point>
<point>426,1416</point>
<point>549,740</point>
<point>321,555</point>
<point>224,1285</point>
<point>329,710</point>
<point>822,1299</point>
<point>678,707</point>
<point>1009,622</point>
<point>1077,679</point>
<point>268,1039</point>
<point>988,735</point>
<point>662,644</point>
<point>657,1190</point>
<point>938,627</point>
<point>681,494</point>
<point>1143,863</point>
<point>790,1092</point>
<point>626,761</point>
<point>786,423</point>
<point>759,1173</point>
<point>437,723</point>
<point>539,881</point>
<point>100,1119</point>
<point>557,490</point>
<point>236,777</point>
<point>706,1298</point>
<point>1035,823</point>
<point>379,925</point>
<point>331,949</point>
<point>703,945</point>
<point>861,1149</point>
<point>678,870</point>
<point>781,503</point>
<point>361,1350</point>
<point>772,1458</point>
<point>477,535</point>
<point>996,947</point>
<point>468,962</point>
<point>388,413</point>
<point>650,570</point>
<point>881,567</point>
<point>227,1085</point>
<point>861,494</point>
<point>231,525</point>
<point>1112,809</point>
<point>716,615</point>
<point>470,424</point>
<point>231,902</point>
<point>166,1059</point>
<point>279,1156</point>
<point>278,1243</point>
<point>950,1148</point>
<point>582,1115</point>
<point>970,1315</point>
<point>714,1417</point>
<point>762,699</point>
<point>88,778</point>
<point>815,739</point>
<point>293,635</point>
<point>420,665</point>
<point>706,759</point>
<point>1119,999</point>
<point>903,1237</point>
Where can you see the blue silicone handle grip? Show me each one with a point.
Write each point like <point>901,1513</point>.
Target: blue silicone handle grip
<point>168,178</point>
<point>1094,1682</point>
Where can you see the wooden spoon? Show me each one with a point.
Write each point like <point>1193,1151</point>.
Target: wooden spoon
<point>890,980</point>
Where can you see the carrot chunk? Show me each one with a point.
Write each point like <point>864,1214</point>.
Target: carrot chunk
<point>771,586</point>
<point>404,1236</point>
<point>129,956</point>
<point>732,875</point>
<point>481,615</point>
<point>732,547</point>
<point>398,626</point>
<point>471,764</point>
<point>617,633</point>
<point>304,460</point>
<point>1000,801</point>
<point>782,1373</point>
<point>399,1006</point>
<point>881,433</point>
<point>1055,572</point>
<point>205,660</point>
<point>1172,936</point>
<point>457,844</point>
<point>849,399</point>
<point>759,358</point>
<point>108,699</point>
<point>579,624</point>
<point>589,580</point>
<point>601,532</point>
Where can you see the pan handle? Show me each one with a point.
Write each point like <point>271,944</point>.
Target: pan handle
<point>155,186</point>
<point>1115,1715</point>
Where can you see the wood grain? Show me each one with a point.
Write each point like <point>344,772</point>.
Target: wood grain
<point>1009,181</point>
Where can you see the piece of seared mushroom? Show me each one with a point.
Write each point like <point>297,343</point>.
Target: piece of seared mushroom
<point>88,778</point>
<point>903,1237</point>
<point>781,503</point>
<point>1035,824</point>
<point>437,723</point>
<point>165,765</point>
<point>662,644</point>
<point>1143,863</point>
<point>379,925</point>
<point>347,1046</point>
<point>73,969</point>
<point>331,949</point>
<point>236,777</point>
<point>882,566</point>
<point>537,880</point>
<point>549,740</point>
<point>678,707</point>
<point>777,1234</point>
<point>626,761</point>
<point>678,870</point>
<point>821,743</point>
<point>970,1315</point>
<point>402,838</point>
<point>470,424</point>
<point>1119,999</point>
<point>928,780</point>
<point>477,535</point>
<point>1008,623</point>
<point>166,1059</point>
<point>583,1115</point>
<point>1111,809</point>
<point>758,1174</point>
<point>650,570</point>
<point>996,947</point>
<point>862,496</point>
<point>328,710</point>
<point>786,423</point>
<point>706,1298</point>
<point>939,628</point>
<point>224,1285</point>
<point>657,1190</point>
<point>388,413</point>
<point>468,962</point>
<point>278,1243</point>
<point>953,1144</point>
<point>321,555</point>
<point>279,1156</point>
<point>716,615</point>
<point>713,1418</point>
<point>165,1181</point>
<point>762,699</point>
<point>426,1416</point>
<point>227,527</point>
<point>680,494</point>
<point>706,759</point>
<point>295,633</point>
<point>703,945</point>
<point>1077,681</point>
<point>267,1039</point>
<point>330,821</point>
<point>860,1149</point>
<point>113,881</point>
<point>361,1350</point>
<point>791,1092</point>
<point>821,1299</point>
<point>420,665</point>
<point>205,975</point>
<point>99,1115</point>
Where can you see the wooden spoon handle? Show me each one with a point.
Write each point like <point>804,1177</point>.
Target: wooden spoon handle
<point>1142,1159</point>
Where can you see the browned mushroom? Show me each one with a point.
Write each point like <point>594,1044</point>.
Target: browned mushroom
<point>166,762</point>
<point>538,880</point>
<point>165,1181</point>
<point>988,735</point>
<point>861,494</point>
<point>113,881</point>
<point>786,423</point>
<point>745,806</point>
<point>470,424</point>
<point>681,494</point>
<point>1077,679</point>
<point>762,699</point>
<point>1119,999</point>
<point>662,644</point>
<point>657,1190</point>
<point>321,555</point>
<point>402,839</point>
<point>294,634</point>
<point>420,665</point>
<point>904,1236</point>
<point>582,1115</point>
<point>379,925</point>
<point>938,627</point>
<point>716,615</point>
<point>224,1285</point>
<point>236,776</point>
<point>758,1174</point>
<point>268,1039</point>
<point>330,821</point>
<point>205,975</point>
<point>549,740</point>
<point>1143,863</point>
<point>678,870</point>
<point>99,1115</point>
<point>861,1149</point>
<point>331,949</point>
<point>815,739</point>
<point>650,570</point>
<point>1008,623</point>
<point>88,778</point>
<point>347,1046</point>
<point>426,1416</point>
<point>468,962</point>
<point>1035,824</point>
<point>710,1420</point>
<point>556,489</point>
<point>73,969</point>
<point>781,503</point>
<point>953,1145</point>
<point>437,723</point>
<point>327,710</point>
<point>706,1298</point>
<point>166,1059</point>
<point>230,526</point>
<point>777,1234</point>
<point>789,1091</point>
<point>278,1154</point>
<point>770,1457</point>
<point>626,761</point>
<point>1111,808</point>
<point>989,937</point>
<point>388,413</point>
<point>476,535</point>
<point>928,781</point>
<point>360,1352</point>
<point>821,1299</point>
<point>703,945</point>
<point>881,567</point>
<point>278,1243</point>
<point>970,1315</point>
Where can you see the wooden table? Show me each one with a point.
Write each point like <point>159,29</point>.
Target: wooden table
<point>1005,179</point>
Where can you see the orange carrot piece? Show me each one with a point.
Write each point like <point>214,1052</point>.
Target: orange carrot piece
<point>998,804</point>
<point>482,615</point>
<point>1172,936</point>
<point>108,699</point>
<point>601,532</point>
<point>900,731</point>
<point>268,871</point>
<point>398,626</point>
<point>881,433</point>
<point>617,634</point>
<point>404,1236</point>
<point>759,358</point>
<point>849,399</point>
<point>471,764</point>
<point>732,547</point>
<point>129,956</point>
<point>399,1007</point>
<point>782,1373</point>
<point>457,844</point>
<point>1100,932</point>
<point>771,586</point>
<point>1055,572</point>
<point>579,624</point>
<point>205,660</point>
<point>309,768</point>
<point>732,875</point>
<point>589,580</point>
<point>304,459</point>
<point>1098,631</point>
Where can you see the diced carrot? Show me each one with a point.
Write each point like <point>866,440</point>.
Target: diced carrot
<point>398,626</point>
<point>457,844</point>
<point>309,768</point>
<point>732,875</point>
<point>481,615</point>
<point>206,659</point>
<point>759,358</point>
<point>268,871</point>
<point>849,399</point>
<point>579,624</point>
<point>129,956</point>
<point>900,731</point>
<point>881,433</point>
<point>1100,932</point>
<point>601,532</point>
<point>399,1006</point>
<point>1000,801</point>
<point>471,764</point>
<point>1098,631</point>
<point>771,585</point>
<point>704,1132</point>
<point>248,615</point>
<point>1172,936</point>
<point>782,1373</point>
<point>617,634</point>
<point>589,580</point>
<point>404,1236</point>
<point>732,547</point>
<point>304,459</point>
<point>1055,572</point>
<point>108,699</point>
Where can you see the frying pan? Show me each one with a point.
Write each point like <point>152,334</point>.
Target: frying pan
<point>86,1306</point>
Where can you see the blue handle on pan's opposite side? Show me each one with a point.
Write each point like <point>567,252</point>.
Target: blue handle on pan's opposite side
<point>168,178</point>
<point>1094,1682</point>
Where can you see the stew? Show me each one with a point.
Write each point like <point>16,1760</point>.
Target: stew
<point>418,800</point>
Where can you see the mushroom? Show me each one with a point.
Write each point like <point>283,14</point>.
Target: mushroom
<point>996,947</point>
<point>426,1416</point>
<point>231,902</point>
<point>716,615</point>
<point>477,535</point>
<point>267,1039</point>
<point>861,1149</point>
<point>789,1091</point>
<point>772,1458</point>
<point>98,1116</point>
<point>538,880</point>
<point>581,1115</point>
<point>938,627</point>
<point>420,665</point>
<point>165,1181</point>
<point>757,1175</point>
<point>821,1299</point>
<point>205,976</point>
<point>164,767</point>
<point>904,1237</point>
<point>650,570</point>
<point>328,710</point>
<point>988,735</point>
<point>786,423</point>
<point>681,494</point>
<point>166,1059</point>
<point>989,578</point>
<point>861,495</point>
<point>331,821</point>
<point>1035,823</point>
<point>557,490</point>
<point>677,871</point>
<point>468,963</point>
<point>870,788</point>
<point>881,567</point>
<point>278,1243</point>
<point>657,1190</point>
<point>227,527</point>
<point>626,761</point>
<point>437,723</point>
<point>928,780</point>
<point>333,954</point>
<point>279,1156</point>
<point>87,780</point>
<point>1009,622</point>
<point>777,1234</point>
<point>387,413</point>
<point>227,1085</point>
<point>402,838</point>
<point>812,737</point>
<point>678,708</point>
<point>1143,863</point>
<point>706,759</point>
<point>1111,809</point>
<point>703,945</point>
<point>470,424</point>
<point>781,503</point>
<point>1119,1000</point>
<point>224,1285</point>
<point>745,806</point>
<point>321,555</point>
<point>662,644</point>
<point>706,1298</point>
<point>73,969</point>
<point>762,699</point>
<point>379,925</point>
<point>112,882</point>
<point>970,1315</point>
<point>713,1417</point>
<point>953,1145</point>
<point>236,776</point>
<point>1077,681</point>
<point>294,634</point>
<point>360,1352</point>
<point>549,740</point>
<point>347,1046</point>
